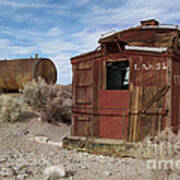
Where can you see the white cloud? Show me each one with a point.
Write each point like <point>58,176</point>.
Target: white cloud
<point>17,4</point>
<point>20,50</point>
<point>55,46</point>
<point>86,40</point>
<point>4,43</point>
<point>80,3</point>
<point>54,32</point>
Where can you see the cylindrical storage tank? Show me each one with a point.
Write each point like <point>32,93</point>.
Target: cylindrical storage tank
<point>15,73</point>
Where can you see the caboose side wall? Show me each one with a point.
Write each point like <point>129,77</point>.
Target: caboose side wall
<point>149,93</point>
<point>134,113</point>
<point>84,97</point>
<point>148,78</point>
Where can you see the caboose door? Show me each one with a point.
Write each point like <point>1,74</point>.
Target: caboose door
<point>114,100</point>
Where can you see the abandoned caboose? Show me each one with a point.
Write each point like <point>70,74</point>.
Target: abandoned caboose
<point>127,88</point>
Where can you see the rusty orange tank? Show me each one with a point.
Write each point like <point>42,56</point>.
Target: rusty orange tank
<point>14,73</point>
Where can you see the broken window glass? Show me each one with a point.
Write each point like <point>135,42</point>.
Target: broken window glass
<point>117,75</point>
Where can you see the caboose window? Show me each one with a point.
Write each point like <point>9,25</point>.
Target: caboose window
<point>117,75</point>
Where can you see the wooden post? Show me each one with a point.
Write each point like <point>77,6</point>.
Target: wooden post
<point>169,93</point>
<point>124,126</point>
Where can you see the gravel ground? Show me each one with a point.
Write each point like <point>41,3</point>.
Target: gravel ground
<point>24,159</point>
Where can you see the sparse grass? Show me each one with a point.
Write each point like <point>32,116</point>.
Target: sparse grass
<point>10,108</point>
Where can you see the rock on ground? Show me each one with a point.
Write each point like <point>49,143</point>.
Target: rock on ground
<point>55,172</point>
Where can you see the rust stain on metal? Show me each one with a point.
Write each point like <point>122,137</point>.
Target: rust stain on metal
<point>15,73</point>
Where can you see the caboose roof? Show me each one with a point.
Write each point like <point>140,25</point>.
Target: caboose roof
<point>146,36</point>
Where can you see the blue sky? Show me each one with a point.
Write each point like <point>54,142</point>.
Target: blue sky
<point>60,29</point>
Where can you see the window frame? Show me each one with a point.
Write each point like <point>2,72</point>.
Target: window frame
<point>104,74</point>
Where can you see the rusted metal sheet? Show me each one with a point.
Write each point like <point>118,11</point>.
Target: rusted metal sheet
<point>15,73</point>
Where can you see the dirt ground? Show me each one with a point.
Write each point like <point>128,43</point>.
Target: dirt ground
<point>22,157</point>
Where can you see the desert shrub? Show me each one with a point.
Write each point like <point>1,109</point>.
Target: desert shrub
<point>53,102</point>
<point>11,108</point>
<point>35,94</point>
<point>56,111</point>
<point>58,106</point>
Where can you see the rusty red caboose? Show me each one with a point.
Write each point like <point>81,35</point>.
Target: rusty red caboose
<point>127,88</point>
